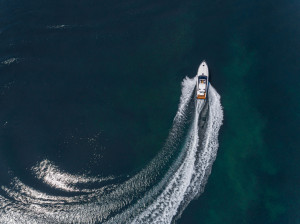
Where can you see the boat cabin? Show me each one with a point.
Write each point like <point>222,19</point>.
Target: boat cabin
<point>202,87</point>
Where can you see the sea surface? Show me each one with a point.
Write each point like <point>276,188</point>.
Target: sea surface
<point>99,124</point>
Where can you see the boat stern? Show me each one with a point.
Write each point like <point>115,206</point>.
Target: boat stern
<point>201,96</point>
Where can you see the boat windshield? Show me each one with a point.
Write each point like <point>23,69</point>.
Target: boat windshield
<point>202,77</point>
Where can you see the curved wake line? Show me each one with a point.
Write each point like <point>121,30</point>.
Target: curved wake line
<point>189,179</point>
<point>50,174</point>
<point>151,196</point>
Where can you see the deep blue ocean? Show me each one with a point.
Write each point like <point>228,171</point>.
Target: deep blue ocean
<point>99,123</point>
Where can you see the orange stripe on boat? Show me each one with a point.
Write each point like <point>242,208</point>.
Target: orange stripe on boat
<point>201,97</point>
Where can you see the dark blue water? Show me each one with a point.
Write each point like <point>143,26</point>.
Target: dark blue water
<point>92,87</point>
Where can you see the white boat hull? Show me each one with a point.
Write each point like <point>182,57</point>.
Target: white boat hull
<point>202,81</point>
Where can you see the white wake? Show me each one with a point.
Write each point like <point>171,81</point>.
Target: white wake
<point>157,194</point>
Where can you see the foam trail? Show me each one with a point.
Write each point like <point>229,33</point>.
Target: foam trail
<point>50,174</point>
<point>157,194</point>
<point>188,180</point>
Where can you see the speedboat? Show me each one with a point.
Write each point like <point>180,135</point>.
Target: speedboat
<point>202,81</point>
